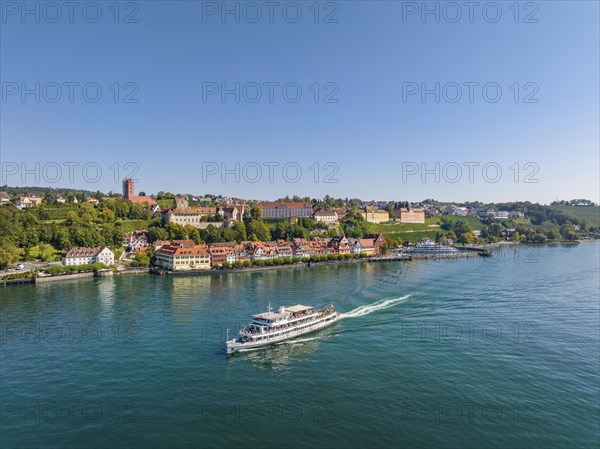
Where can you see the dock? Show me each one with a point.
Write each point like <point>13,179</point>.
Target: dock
<point>481,250</point>
<point>4,283</point>
<point>391,257</point>
<point>409,255</point>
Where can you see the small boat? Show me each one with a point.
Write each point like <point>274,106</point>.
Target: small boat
<point>274,327</point>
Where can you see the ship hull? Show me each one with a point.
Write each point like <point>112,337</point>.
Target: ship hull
<point>234,346</point>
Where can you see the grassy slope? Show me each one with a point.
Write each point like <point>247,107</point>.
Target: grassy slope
<point>165,203</point>
<point>132,225</point>
<point>589,214</point>
<point>413,232</point>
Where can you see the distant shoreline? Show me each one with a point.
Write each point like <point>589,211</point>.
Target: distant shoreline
<point>212,271</point>
<point>298,264</point>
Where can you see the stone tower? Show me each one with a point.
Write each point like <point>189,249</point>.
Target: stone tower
<point>128,188</point>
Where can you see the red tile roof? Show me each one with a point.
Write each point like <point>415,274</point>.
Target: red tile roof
<point>290,205</point>
<point>142,199</point>
<point>192,210</point>
<point>183,243</point>
<point>179,251</point>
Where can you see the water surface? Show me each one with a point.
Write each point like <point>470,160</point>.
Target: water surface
<point>500,352</point>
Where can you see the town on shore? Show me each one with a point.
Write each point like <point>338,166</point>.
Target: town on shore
<point>57,233</point>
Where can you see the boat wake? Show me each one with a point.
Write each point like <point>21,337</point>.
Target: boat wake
<point>299,340</point>
<point>370,308</point>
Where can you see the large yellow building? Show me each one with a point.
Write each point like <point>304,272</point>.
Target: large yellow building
<point>178,258</point>
<point>374,215</point>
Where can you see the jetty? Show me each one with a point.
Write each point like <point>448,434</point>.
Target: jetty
<point>390,257</point>
<point>466,252</point>
<point>5,282</point>
<point>481,250</point>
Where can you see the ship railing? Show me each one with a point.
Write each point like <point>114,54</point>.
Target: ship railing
<point>284,327</point>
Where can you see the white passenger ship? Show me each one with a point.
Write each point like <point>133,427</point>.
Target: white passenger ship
<point>427,246</point>
<point>274,327</point>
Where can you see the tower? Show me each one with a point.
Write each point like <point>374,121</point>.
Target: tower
<point>180,201</point>
<point>128,188</point>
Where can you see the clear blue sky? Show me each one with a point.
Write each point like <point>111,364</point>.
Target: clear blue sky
<point>369,133</point>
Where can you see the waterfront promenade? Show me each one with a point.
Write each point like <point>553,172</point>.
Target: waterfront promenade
<point>396,256</point>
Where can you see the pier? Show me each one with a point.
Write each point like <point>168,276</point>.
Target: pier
<point>390,257</point>
<point>481,250</point>
<point>409,255</point>
<point>4,283</point>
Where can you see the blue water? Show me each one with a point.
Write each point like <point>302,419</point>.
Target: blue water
<point>500,352</point>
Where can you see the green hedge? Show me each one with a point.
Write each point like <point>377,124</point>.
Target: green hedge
<point>55,270</point>
<point>12,276</point>
<point>290,260</point>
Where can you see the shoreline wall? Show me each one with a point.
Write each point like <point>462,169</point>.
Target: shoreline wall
<point>65,277</point>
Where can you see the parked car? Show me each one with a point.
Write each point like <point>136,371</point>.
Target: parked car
<point>20,266</point>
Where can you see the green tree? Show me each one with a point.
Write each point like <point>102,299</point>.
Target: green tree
<point>108,215</point>
<point>239,229</point>
<point>259,230</point>
<point>31,240</point>
<point>157,233</point>
<point>212,234</point>
<point>141,259</point>
<point>255,212</point>
<point>88,213</point>
<point>466,237</point>
<point>46,252</point>
<point>9,253</point>
<point>193,234</point>
<point>72,218</point>
<point>61,239</point>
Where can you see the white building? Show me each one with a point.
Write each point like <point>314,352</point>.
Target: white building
<point>28,201</point>
<point>86,256</point>
<point>285,210</point>
<point>326,216</point>
<point>135,240</point>
<point>188,215</point>
<point>460,211</point>
<point>497,214</point>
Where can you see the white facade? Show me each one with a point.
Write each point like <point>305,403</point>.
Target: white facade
<point>285,210</point>
<point>87,256</point>
<point>106,256</point>
<point>326,217</point>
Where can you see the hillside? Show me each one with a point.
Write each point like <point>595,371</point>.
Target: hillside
<point>589,214</point>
